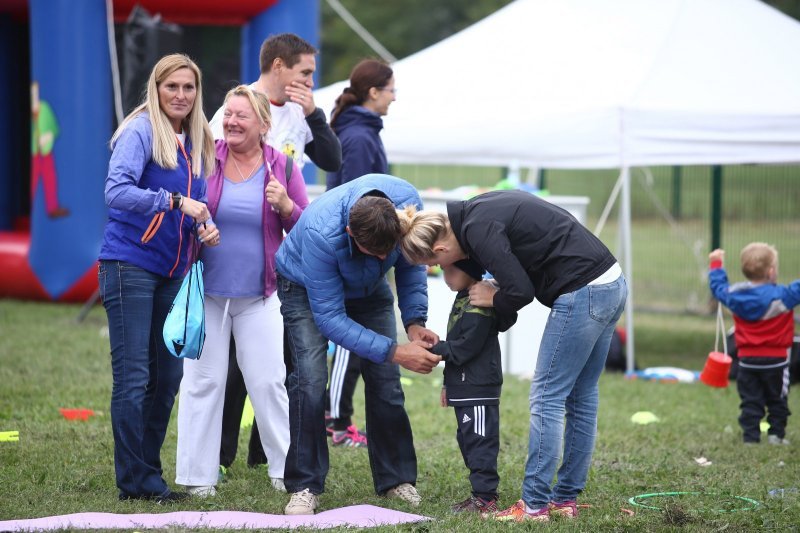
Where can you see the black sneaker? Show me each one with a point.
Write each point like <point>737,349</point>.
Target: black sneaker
<point>125,497</point>
<point>171,497</point>
<point>475,504</point>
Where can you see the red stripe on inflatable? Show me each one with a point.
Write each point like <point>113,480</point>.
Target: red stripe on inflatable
<point>19,281</point>
<point>197,12</point>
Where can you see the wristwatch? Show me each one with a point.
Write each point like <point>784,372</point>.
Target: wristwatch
<point>177,200</point>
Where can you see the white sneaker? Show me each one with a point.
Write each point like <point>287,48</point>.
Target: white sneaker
<point>277,484</point>
<point>406,492</point>
<point>303,502</point>
<point>202,491</point>
<point>774,439</point>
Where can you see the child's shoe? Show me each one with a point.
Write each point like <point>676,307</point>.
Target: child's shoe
<point>517,513</point>
<point>476,504</point>
<point>350,438</point>
<point>568,509</point>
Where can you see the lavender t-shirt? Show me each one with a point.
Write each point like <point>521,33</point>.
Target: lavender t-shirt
<point>235,268</point>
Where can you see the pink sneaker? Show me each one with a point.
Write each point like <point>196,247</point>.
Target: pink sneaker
<point>568,509</point>
<point>350,438</point>
<point>517,513</point>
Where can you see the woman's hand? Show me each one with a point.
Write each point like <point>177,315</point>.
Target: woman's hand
<point>278,199</point>
<point>482,294</point>
<point>209,235</point>
<point>197,210</point>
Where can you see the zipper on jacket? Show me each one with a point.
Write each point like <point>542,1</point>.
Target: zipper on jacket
<point>151,230</point>
<point>183,215</point>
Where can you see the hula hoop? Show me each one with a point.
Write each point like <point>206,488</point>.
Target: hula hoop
<point>752,504</point>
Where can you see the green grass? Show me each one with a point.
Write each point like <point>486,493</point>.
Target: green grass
<point>48,361</point>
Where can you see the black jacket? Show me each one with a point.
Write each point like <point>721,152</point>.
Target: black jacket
<point>473,372</point>
<point>324,150</point>
<point>530,246</point>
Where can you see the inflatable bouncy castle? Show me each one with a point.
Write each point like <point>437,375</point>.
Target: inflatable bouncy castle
<point>61,99</point>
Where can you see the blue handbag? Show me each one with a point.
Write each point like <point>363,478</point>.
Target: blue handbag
<point>185,326</point>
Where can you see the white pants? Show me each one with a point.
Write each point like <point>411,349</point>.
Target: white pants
<point>257,327</point>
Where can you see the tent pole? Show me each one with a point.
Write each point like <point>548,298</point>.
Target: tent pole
<point>627,267</point>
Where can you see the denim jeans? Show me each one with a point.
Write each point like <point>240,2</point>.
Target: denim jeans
<point>146,376</point>
<point>391,446</point>
<point>572,356</point>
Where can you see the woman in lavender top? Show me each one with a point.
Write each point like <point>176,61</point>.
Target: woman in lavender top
<point>253,204</point>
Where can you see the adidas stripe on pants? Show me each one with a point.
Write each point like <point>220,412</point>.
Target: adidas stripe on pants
<point>478,436</point>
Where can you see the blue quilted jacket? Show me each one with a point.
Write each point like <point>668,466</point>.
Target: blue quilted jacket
<point>319,255</point>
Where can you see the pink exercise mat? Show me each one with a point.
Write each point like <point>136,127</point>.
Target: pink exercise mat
<point>353,516</point>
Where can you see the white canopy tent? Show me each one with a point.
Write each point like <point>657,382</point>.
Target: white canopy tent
<point>602,84</point>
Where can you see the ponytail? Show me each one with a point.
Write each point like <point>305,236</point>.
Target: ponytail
<point>366,74</point>
<point>421,231</point>
<point>344,100</point>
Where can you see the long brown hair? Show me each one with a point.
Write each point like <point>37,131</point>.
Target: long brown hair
<point>367,74</point>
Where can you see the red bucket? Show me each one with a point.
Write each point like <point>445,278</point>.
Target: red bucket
<point>715,372</point>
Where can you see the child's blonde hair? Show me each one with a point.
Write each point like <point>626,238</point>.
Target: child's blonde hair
<point>757,258</point>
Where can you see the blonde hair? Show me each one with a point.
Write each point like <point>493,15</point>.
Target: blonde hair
<point>164,140</point>
<point>757,258</point>
<point>259,102</point>
<point>421,231</point>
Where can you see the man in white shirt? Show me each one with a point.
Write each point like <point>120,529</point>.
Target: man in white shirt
<point>287,65</point>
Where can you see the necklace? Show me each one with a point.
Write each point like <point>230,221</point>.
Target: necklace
<point>245,178</point>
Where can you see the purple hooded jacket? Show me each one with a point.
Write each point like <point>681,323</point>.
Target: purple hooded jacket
<point>274,226</point>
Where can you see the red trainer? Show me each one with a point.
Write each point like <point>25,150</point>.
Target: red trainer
<point>568,509</point>
<point>517,513</point>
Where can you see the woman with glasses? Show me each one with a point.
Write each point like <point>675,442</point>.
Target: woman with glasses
<point>356,120</point>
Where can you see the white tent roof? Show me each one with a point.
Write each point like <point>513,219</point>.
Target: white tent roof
<point>602,84</point>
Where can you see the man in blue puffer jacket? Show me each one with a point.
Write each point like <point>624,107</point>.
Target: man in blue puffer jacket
<point>332,285</point>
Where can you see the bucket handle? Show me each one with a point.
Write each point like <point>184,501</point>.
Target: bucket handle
<point>720,328</point>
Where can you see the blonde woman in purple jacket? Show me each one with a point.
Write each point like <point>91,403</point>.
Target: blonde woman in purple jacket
<point>253,204</point>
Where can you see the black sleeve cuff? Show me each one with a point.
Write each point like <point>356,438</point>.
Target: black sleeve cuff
<point>417,321</point>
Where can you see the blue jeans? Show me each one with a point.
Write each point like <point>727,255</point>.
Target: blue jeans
<point>391,445</point>
<point>572,356</point>
<point>146,376</point>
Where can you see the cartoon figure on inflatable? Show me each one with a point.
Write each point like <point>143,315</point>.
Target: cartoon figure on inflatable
<point>52,255</point>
